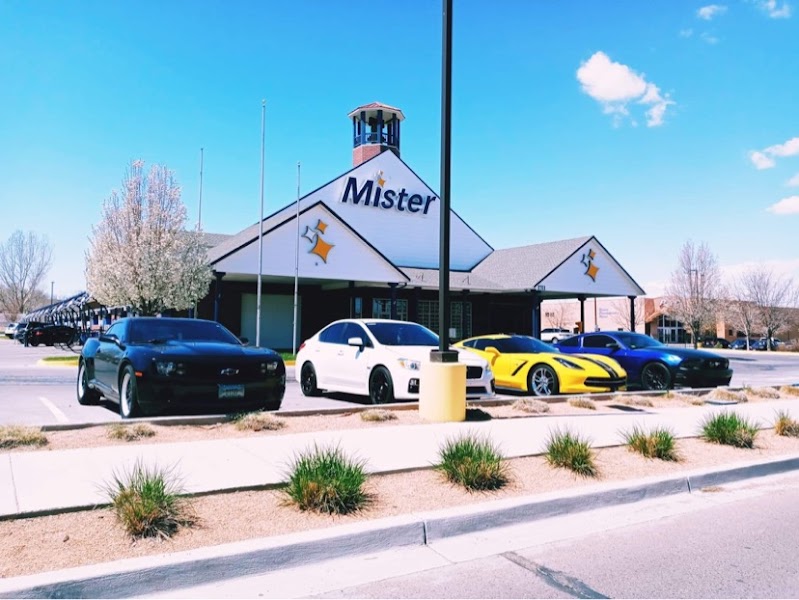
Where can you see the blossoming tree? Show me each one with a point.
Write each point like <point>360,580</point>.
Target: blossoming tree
<point>141,254</point>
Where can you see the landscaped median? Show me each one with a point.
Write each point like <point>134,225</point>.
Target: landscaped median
<point>331,478</point>
<point>59,361</point>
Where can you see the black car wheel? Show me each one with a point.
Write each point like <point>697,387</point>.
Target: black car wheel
<point>129,394</point>
<point>542,381</point>
<point>381,388</point>
<point>86,395</point>
<point>655,376</point>
<point>34,342</point>
<point>308,380</point>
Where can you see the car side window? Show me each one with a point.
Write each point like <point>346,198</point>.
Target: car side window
<point>571,342</point>
<point>354,330</point>
<point>115,329</point>
<point>597,341</point>
<point>481,344</point>
<point>334,334</point>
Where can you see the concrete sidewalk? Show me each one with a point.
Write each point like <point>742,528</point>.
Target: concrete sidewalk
<point>44,482</point>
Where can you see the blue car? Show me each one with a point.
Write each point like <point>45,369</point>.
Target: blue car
<point>650,364</point>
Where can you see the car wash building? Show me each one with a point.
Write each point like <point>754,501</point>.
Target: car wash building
<point>366,245</point>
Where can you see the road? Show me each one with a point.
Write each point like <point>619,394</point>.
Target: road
<point>732,542</point>
<point>41,395</point>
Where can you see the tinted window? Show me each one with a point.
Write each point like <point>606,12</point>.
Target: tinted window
<point>354,330</point>
<point>402,334</point>
<point>571,342</point>
<point>637,340</point>
<point>483,344</point>
<point>334,334</point>
<point>470,343</point>
<point>522,344</point>
<point>187,330</point>
<point>115,329</point>
<point>597,341</point>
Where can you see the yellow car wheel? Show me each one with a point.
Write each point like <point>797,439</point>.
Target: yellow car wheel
<point>542,381</point>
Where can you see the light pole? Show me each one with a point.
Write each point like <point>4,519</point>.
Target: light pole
<point>260,233</point>
<point>52,283</point>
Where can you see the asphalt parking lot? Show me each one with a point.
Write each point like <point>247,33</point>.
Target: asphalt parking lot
<point>32,394</point>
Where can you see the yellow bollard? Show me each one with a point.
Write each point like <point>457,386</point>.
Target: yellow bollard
<point>442,391</point>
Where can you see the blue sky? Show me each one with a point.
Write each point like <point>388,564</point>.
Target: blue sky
<point>642,123</point>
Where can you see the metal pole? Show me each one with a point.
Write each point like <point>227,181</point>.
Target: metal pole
<point>296,267</point>
<point>52,283</point>
<point>200,210</point>
<point>445,355</point>
<point>260,232</point>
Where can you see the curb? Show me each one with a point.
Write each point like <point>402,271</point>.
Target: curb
<point>162,573</point>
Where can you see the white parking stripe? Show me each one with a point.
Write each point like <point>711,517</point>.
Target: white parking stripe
<point>59,416</point>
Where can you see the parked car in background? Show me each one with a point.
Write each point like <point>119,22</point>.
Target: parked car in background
<point>762,344</point>
<point>51,334</point>
<point>740,344</point>
<point>378,358</point>
<point>651,364</point>
<point>149,364</point>
<point>553,335</point>
<point>11,329</point>
<point>526,364</point>
<point>715,342</point>
<point>24,329</point>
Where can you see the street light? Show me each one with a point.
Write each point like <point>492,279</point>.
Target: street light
<point>52,283</point>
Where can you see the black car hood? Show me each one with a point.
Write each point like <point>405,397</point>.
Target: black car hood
<point>204,349</point>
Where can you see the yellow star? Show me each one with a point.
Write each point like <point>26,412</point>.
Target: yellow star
<point>380,181</point>
<point>321,226</point>
<point>321,248</point>
<point>592,271</point>
<point>591,254</point>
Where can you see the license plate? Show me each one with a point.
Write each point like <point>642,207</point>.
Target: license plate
<point>231,391</point>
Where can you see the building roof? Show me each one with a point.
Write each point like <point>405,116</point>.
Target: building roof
<point>376,106</point>
<point>211,240</point>
<point>458,280</point>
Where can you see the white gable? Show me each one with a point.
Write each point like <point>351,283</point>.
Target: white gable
<point>328,249</point>
<point>591,271</point>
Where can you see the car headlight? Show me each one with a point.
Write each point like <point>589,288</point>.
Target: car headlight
<point>567,363</point>
<point>407,363</point>
<point>268,366</point>
<point>166,368</point>
<point>693,363</point>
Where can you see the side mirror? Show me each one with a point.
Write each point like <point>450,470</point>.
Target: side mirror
<point>492,350</point>
<point>244,340</point>
<point>355,341</point>
<point>109,339</point>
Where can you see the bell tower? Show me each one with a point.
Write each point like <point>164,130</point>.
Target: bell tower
<point>375,129</point>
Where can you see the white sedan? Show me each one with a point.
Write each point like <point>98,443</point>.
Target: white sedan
<point>379,358</point>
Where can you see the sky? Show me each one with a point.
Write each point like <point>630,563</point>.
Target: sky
<point>644,124</point>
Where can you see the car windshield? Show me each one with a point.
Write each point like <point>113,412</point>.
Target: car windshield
<point>637,340</point>
<point>402,334</point>
<point>158,331</point>
<point>521,344</point>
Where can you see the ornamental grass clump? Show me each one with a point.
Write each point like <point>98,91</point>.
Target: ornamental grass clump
<point>789,390</point>
<point>657,443</point>
<point>784,425</point>
<point>129,433</point>
<point>326,481</point>
<point>582,402</point>
<point>147,502</point>
<point>687,398</point>
<point>634,400</point>
<point>530,405</point>
<point>763,392</point>
<point>727,395</point>
<point>257,421</point>
<point>378,415</point>
<point>473,462</point>
<point>569,451</point>
<point>730,429</point>
<point>14,436</point>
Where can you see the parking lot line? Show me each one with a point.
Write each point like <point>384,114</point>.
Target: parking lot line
<point>60,416</point>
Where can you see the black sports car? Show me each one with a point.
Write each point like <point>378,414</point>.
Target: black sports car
<point>150,364</point>
<point>51,334</point>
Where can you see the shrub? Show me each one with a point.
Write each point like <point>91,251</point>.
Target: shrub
<point>790,390</point>
<point>530,406</point>
<point>730,429</point>
<point>129,433</point>
<point>257,421</point>
<point>687,398</point>
<point>634,400</point>
<point>378,414</point>
<point>325,480</point>
<point>785,425</point>
<point>658,443</point>
<point>474,463</point>
<point>147,502</point>
<point>727,395</point>
<point>568,450</point>
<point>13,436</point>
<point>582,402</point>
<point>763,392</point>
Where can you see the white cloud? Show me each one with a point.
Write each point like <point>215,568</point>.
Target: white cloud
<point>774,10</point>
<point>615,85</point>
<point>710,11</point>
<point>764,159</point>
<point>686,33</point>
<point>786,206</point>
<point>780,267</point>
<point>793,181</point>
<point>709,38</point>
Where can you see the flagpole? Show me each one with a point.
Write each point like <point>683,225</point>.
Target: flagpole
<point>296,266</point>
<point>260,233</point>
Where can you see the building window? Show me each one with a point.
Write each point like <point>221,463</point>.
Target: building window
<point>381,309</point>
<point>671,331</point>
<point>357,308</point>
<point>428,316</point>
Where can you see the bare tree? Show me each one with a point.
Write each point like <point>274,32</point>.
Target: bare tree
<point>25,259</point>
<point>695,289</point>
<point>772,298</point>
<point>141,254</point>
<point>740,311</point>
<point>556,315</point>
<point>621,316</point>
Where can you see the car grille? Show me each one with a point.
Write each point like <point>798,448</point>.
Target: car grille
<point>221,372</point>
<point>610,382</point>
<point>474,372</point>
<point>716,363</point>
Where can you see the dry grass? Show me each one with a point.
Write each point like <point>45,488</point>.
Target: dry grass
<point>258,421</point>
<point>727,395</point>
<point>378,415</point>
<point>789,390</point>
<point>634,400</point>
<point>785,426</point>
<point>763,392</point>
<point>582,402</point>
<point>687,398</point>
<point>130,433</point>
<point>529,405</point>
<point>14,436</point>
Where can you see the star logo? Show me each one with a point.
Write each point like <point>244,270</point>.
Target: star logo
<point>588,262</point>
<point>380,181</point>
<point>321,248</point>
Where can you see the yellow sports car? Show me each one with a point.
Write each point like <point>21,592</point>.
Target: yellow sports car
<point>524,363</point>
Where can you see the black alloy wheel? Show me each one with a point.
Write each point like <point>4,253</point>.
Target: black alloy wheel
<point>655,376</point>
<point>381,388</point>
<point>308,380</point>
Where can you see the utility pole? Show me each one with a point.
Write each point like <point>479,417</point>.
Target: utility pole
<point>260,233</point>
